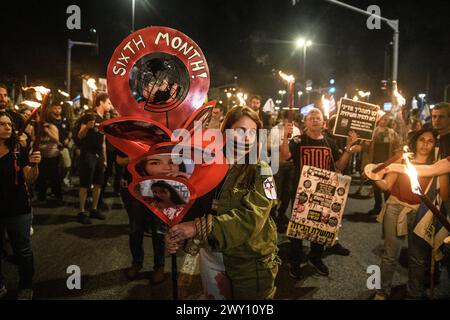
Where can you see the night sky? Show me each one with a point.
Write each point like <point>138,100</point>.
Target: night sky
<point>244,38</point>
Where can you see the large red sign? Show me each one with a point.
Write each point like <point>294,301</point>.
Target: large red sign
<point>158,73</point>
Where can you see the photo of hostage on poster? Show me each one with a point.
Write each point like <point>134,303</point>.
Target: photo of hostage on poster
<point>169,196</point>
<point>319,206</point>
<point>357,116</point>
<point>165,164</point>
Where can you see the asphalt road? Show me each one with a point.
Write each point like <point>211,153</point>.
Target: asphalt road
<point>101,252</point>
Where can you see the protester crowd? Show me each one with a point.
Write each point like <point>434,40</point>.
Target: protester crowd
<point>237,223</point>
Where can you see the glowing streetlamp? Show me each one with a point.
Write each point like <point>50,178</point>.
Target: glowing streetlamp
<point>299,93</point>
<point>228,99</point>
<point>303,43</point>
<point>282,93</point>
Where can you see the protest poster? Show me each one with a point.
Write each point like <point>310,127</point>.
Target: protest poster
<point>318,206</point>
<point>358,116</point>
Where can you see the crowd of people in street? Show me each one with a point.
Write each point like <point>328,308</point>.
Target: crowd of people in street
<point>234,227</point>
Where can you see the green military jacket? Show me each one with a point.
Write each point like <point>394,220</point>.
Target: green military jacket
<point>243,227</point>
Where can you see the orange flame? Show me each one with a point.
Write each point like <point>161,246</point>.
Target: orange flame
<point>40,91</point>
<point>31,104</point>
<point>241,98</point>
<point>289,78</point>
<point>401,101</point>
<point>411,172</point>
<point>326,104</point>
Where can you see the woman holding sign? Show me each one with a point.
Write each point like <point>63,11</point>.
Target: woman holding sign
<point>241,227</point>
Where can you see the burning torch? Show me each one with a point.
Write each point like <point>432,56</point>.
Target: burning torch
<point>416,189</point>
<point>42,95</point>
<point>93,86</point>
<point>290,80</point>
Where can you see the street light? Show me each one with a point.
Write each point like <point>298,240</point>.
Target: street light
<point>70,45</point>
<point>228,98</point>
<point>299,93</point>
<point>303,43</point>
<point>282,93</point>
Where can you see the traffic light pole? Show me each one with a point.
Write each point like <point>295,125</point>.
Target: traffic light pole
<point>71,44</point>
<point>394,24</point>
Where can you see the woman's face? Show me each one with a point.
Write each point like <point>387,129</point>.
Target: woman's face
<point>161,193</point>
<point>425,144</point>
<point>245,131</point>
<point>161,165</point>
<point>383,121</point>
<point>5,127</point>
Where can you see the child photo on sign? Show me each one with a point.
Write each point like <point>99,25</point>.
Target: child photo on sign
<point>169,196</point>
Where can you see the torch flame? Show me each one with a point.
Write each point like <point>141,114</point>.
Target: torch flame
<point>401,101</point>
<point>240,96</point>
<point>326,106</point>
<point>40,91</point>
<point>31,104</point>
<point>92,84</point>
<point>289,78</point>
<point>411,172</point>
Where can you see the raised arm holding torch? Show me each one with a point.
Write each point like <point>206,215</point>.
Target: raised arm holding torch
<point>290,80</point>
<point>42,94</point>
<point>438,168</point>
<point>411,171</point>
